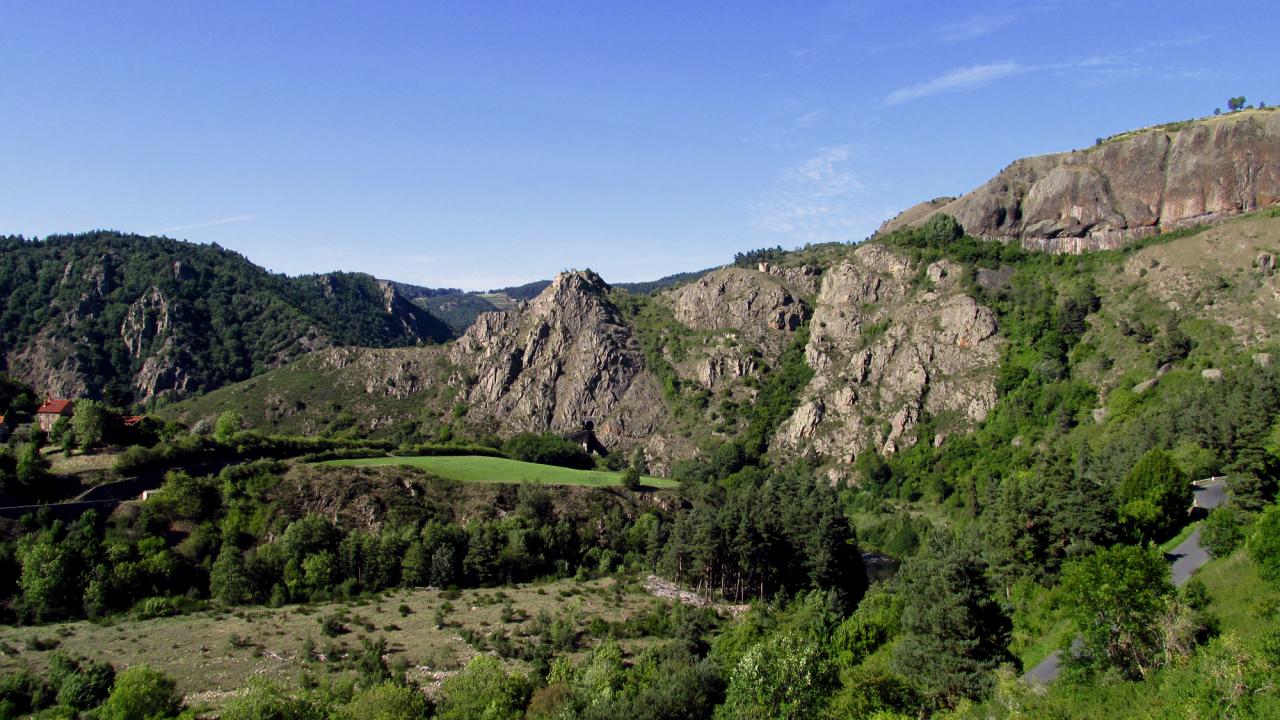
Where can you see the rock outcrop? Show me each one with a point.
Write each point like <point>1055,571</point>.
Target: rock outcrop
<point>563,358</point>
<point>739,299</point>
<point>1129,187</point>
<point>885,352</point>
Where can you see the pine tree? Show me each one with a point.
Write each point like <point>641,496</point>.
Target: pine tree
<point>1155,496</point>
<point>228,580</point>
<point>954,632</point>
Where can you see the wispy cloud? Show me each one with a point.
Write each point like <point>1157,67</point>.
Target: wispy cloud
<point>960,79</point>
<point>973,27</point>
<point>827,173</point>
<point>1090,71</point>
<point>208,223</point>
<point>819,199</point>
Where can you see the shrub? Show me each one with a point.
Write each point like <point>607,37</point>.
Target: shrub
<point>1155,496</point>
<point>1264,545</point>
<point>140,693</point>
<point>332,625</point>
<point>548,449</point>
<point>1223,531</point>
<point>482,690</point>
<point>1115,597</point>
<point>229,423</point>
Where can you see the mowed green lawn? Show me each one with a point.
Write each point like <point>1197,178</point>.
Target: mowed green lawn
<point>501,470</point>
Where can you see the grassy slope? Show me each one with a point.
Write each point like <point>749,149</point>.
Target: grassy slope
<point>501,470</point>
<point>213,654</point>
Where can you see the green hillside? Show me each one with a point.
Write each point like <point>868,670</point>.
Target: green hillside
<point>86,312</point>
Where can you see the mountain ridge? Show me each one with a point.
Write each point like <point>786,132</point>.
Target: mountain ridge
<point>140,319</point>
<point>1129,186</point>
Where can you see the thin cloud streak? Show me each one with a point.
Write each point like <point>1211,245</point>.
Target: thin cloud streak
<point>210,223</point>
<point>974,27</point>
<point>819,199</point>
<point>960,79</point>
<point>1091,71</point>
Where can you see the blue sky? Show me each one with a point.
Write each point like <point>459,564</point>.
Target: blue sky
<point>479,144</point>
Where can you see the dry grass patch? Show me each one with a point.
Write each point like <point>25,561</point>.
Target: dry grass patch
<point>213,654</point>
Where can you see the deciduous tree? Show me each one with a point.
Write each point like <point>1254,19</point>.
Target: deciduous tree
<point>1115,597</point>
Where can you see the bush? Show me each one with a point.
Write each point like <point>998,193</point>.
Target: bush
<point>229,423</point>
<point>265,700</point>
<point>482,690</point>
<point>1223,532</point>
<point>631,479</point>
<point>1115,597</point>
<point>133,459</point>
<point>448,449</point>
<point>140,693</point>
<point>548,449</point>
<point>1264,545</point>
<point>1155,496</point>
<point>389,702</point>
<point>332,625</point>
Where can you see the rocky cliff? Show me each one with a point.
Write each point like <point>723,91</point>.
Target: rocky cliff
<point>564,358</point>
<point>888,350</point>
<point>1128,187</point>
<point>739,299</point>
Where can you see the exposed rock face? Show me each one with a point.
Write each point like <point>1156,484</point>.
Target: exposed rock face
<point>720,366</point>
<point>885,352</point>
<point>146,326</point>
<point>1128,188</point>
<point>49,362</point>
<point>563,358</point>
<point>740,299</point>
<point>806,278</point>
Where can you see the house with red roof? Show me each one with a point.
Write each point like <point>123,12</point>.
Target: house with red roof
<point>52,409</point>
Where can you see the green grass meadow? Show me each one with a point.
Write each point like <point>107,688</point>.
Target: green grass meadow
<point>471,468</point>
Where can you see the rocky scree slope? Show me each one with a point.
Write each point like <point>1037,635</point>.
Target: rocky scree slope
<point>1132,186</point>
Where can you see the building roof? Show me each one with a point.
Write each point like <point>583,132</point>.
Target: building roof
<point>55,406</point>
<point>131,420</point>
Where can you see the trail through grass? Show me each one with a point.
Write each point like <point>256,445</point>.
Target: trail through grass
<point>502,470</point>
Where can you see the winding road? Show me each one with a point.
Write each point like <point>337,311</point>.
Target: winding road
<point>1185,559</point>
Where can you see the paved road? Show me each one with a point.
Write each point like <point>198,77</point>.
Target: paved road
<point>1186,558</point>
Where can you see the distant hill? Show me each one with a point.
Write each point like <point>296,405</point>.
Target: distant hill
<point>136,318</point>
<point>459,309</point>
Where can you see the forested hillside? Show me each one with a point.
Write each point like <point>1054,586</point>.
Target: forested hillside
<point>135,319</point>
